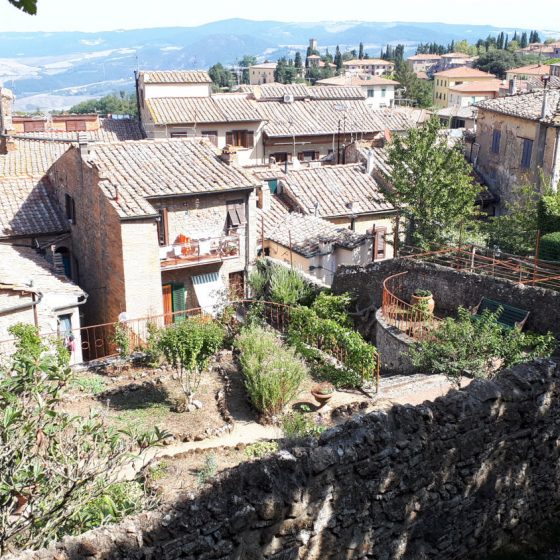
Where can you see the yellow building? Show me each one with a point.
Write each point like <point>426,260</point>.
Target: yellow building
<point>447,79</point>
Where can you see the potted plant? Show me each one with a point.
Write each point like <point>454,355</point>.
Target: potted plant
<point>323,392</point>
<point>423,299</point>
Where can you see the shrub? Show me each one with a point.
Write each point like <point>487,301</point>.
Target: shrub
<point>550,247</point>
<point>301,425</point>
<point>258,282</point>
<point>261,449</point>
<point>328,306</point>
<point>477,347</point>
<point>188,346</point>
<point>549,213</point>
<point>153,351</point>
<point>287,286</point>
<point>209,469</point>
<point>121,339</point>
<point>272,371</point>
<point>314,338</point>
<point>51,463</point>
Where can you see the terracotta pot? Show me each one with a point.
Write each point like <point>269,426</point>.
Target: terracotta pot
<point>320,397</point>
<point>423,301</point>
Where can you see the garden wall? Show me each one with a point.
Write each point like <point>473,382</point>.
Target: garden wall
<point>451,288</point>
<point>453,478</point>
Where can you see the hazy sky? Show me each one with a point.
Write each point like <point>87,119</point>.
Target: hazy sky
<point>97,15</point>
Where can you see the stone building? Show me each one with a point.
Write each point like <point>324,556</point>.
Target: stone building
<point>453,77</point>
<point>156,225</point>
<point>423,62</point>
<point>518,138</point>
<point>372,66</point>
<point>262,73</point>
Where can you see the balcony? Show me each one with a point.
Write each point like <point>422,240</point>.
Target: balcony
<point>193,252</point>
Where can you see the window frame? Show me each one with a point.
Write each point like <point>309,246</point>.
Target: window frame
<point>496,140</point>
<point>526,153</point>
<point>70,208</point>
<point>163,227</point>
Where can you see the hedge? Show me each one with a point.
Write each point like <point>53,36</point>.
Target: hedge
<point>550,247</point>
<point>549,214</point>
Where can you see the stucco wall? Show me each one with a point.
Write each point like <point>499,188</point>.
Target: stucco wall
<point>449,479</point>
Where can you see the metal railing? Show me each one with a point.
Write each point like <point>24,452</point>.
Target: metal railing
<point>195,251</point>
<point>411,320</point>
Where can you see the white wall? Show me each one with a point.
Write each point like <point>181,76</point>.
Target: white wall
<point>378,101</point>
<point>176,90</point>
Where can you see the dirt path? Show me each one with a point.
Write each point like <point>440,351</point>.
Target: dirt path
<point>412,389</point>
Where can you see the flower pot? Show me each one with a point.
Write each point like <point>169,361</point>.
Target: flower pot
<point>423,302</point>
<point>320,396</point>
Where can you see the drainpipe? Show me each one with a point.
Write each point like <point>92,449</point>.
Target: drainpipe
<point>36,298</point>
<point>81,300</point>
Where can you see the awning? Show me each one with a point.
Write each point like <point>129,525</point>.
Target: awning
<point>210,291</point>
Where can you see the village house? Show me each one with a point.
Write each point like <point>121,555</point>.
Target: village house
<point>157,225</point>
<point>379,92</point>
<point>423,62</point>
<point>529,71</point>
<point>518,138</point>
<point>262,73</point>
<point>454,60</point>
<point>447,79</point>
<point>546,51</point>
<point>286,122</point>
<point>469,93</point>
<point>372,66</point>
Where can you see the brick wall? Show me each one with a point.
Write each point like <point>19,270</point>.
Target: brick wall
<point>450,479</point>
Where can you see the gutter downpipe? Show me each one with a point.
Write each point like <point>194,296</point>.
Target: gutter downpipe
<point>34,303</point>
<point>77,304</point>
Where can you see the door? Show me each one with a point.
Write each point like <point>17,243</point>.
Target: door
<point>168,303</point>
<point>237,285</point>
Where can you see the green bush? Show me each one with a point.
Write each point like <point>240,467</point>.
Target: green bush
<point>328,306</point>
<point>477,347</point>
<point>208,470</point>
<point>287,286</point>
<point>549,213</point>
<point>314,337</point>
<point>258,282</point>
<point>301,425</point>
<point>121,339</point>
<point>261,449</point>
<point>272,371</point>
<point>550,247</point>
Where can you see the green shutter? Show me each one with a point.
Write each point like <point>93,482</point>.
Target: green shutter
<point>179,301</point>
<point>273,185</point>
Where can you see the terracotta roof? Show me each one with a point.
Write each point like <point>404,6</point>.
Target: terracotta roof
<point>531,69</point>
<point>464,72</point>
<point>368,62</point>
<point>320,117</point>
<point>456,55</point>
<point>176,77</point>
<point>28,209</point>
<point>218,108</point>
<point>265,65</point>
<point>337,190</point>
<point>472,87</point>
<point>31,158</point>
<point>526,106</point>
<point>424,57</point>
<point>276,92</point>
<point>362,80</point>
<point>20,265</point>
<point>132,172</point>
<point>421,75</point>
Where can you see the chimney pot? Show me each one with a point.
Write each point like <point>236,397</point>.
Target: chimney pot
<point>229,155</point>
<point>7,144</point>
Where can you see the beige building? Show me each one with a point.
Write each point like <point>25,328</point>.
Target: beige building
<point>447,79</point>
<point>173,84</point>
<point>372,66</point>
<point>454,60</point>
<point>157,226</point>
<point>530,71</point>
<point>469,93</point>
<point>423,62</point>
<point>262,73</point>
<point>518,138</point>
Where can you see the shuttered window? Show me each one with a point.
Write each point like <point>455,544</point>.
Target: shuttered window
<point>235,213</point>
<point>75,126</point>
<point>34,126</point>
<point>527,152</point>
<point>241,138</point>
<point>179,301</point>
<point>496,137</point>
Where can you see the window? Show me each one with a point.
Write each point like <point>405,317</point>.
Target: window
<point>212,135</point>
<point>308,156</point>
<point>33,126</point>
<point>75,126</point>
<point>527,152</point>
<point>237,284</point>
<point>70,209</point>
<point>163,227</point>
<point>371,93</point>
<point>235,213</point>
<point>282,157</point>
<point>379,243</point>
<point>241,138</point>
<point>383,92</point>
<point>64,326</point>
<point>496,137</point>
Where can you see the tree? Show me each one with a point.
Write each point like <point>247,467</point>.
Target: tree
<point>297,61</point>
<point>188,346</point>
<point>361,51</point>
<point>420,91</point>
<point>122,104</point>
<point>221,77</point>
<point>432,185</point>
<point>27,6</point>
<point>52,464</point>
<point>246,61</point>
<point>524,41</point>
<point>338,60</point>
<point>496,62</point>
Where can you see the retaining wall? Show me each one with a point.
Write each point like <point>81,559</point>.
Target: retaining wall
<point>450,479</point>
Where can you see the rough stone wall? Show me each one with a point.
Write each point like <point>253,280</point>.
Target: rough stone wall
<point>451,288</point>
<point>454,478</point>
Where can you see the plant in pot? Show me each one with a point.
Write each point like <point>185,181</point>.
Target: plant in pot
<point>423,300</point>
<point>323,392</point>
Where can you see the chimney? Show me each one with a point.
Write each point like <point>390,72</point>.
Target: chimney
<point>7,144</point>
<point>264,197</point>
<point>229,155</point>
<point>6,102</point>
<point>513,86</point>
<point>83,144</point>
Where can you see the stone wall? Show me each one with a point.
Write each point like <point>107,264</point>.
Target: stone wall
<point>451,288</point>
<point>454,478</point>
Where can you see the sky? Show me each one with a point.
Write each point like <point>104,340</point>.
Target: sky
<point>102,15</point>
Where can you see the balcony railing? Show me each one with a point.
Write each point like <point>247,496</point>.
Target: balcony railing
<point>199,251</point>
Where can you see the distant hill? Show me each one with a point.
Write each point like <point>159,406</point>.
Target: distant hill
<point>61,68</point>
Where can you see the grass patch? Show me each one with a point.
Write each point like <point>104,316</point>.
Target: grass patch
<point>143,418</point>
<point>90,385</point>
